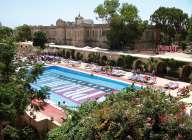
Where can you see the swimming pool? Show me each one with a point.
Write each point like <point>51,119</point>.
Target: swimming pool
<point>72,87</point>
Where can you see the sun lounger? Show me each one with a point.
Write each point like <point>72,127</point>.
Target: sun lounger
<point>152,80</point>
<point>118,73</point>
<point>172,85</point>
<point>97,69</point>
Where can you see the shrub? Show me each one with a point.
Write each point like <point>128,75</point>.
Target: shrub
<point>68,54</point>
<point>79,56</point>
<point>126,61</point>
<point>94,57</point>
<point>183,45</point>
<point>72,54</point>
<point>120,62</point>
<point>104,60</point>
<point>174,67</point>
<point>112,63</point>
<point>63,52</point>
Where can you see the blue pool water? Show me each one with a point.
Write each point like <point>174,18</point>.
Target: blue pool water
<point>72,87</point>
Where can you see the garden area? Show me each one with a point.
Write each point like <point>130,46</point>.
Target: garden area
<point>129,115</point>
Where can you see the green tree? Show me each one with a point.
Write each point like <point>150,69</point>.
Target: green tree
<point>125,24</point>
<point>7,53</point>
<point>5,32</point>
<point>172,22</point>
<point>23,33</point>
<point>189,36</point>
<point>14,91</point>
<point>39,39</point>
<point>43,93</point>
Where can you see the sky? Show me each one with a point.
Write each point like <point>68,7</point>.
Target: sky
<point>45,12</point>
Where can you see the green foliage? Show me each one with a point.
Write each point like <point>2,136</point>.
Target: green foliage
<point>126,61</point>
<point>73,54</point>
<point>10,133</point>
<point>23,33</point>
<point>129,13</point>
<point>35,72</point>
<point>7,53</point>
<point>43,93</point>
<point>14,90</point>
<point>79,56</point>
<point>104,60</point>
<point>125,25</point>
<point>173,67</point>
<point>5,32</point>
<point>68,54</point>
<point>123,116</point>
<point>25,133</point>
<point>39,39</point>
<point>183,45</point>
<point>171,21</point>
<point>94,57</point>
<point>189,36</point>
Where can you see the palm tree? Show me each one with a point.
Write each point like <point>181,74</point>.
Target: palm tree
<point>43,93</point>
<point>35,72</point>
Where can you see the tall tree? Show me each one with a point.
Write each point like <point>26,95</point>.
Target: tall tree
<point>173,23</point>
<point>5,32</point>
<point>189,36</point>
<point>125,24</point>
<point>7,53</point>
<point>39,39</point>
<point>23,33</point>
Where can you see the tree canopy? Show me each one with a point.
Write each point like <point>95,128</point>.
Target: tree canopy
<point>7,53</point>
<point>39,39</point>
<point>125,24</point>
<point>189,37</point>
<point>172,22</point>
<point>23,33</point>
<point>14,92</point>
<point>5,33</point>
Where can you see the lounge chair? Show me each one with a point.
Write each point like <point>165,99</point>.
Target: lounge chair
<point>118,73</point>
<point>152,80</point>
<point>172,85</point>
<point>97,69</point>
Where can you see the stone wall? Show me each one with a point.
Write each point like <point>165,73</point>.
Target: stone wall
<point>81,34</point>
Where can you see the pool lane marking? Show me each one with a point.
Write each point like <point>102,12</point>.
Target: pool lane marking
<point>85,93</point>
<point>80,91</point>
<point>88,96</point>
<point>72,86</point>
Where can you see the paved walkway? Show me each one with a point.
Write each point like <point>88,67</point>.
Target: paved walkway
<point>175,55</point>
<point>46,112</point>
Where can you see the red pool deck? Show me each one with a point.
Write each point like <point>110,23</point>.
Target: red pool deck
<point>51,111</point>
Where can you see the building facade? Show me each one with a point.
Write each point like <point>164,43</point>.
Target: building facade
<point>83,32</point>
